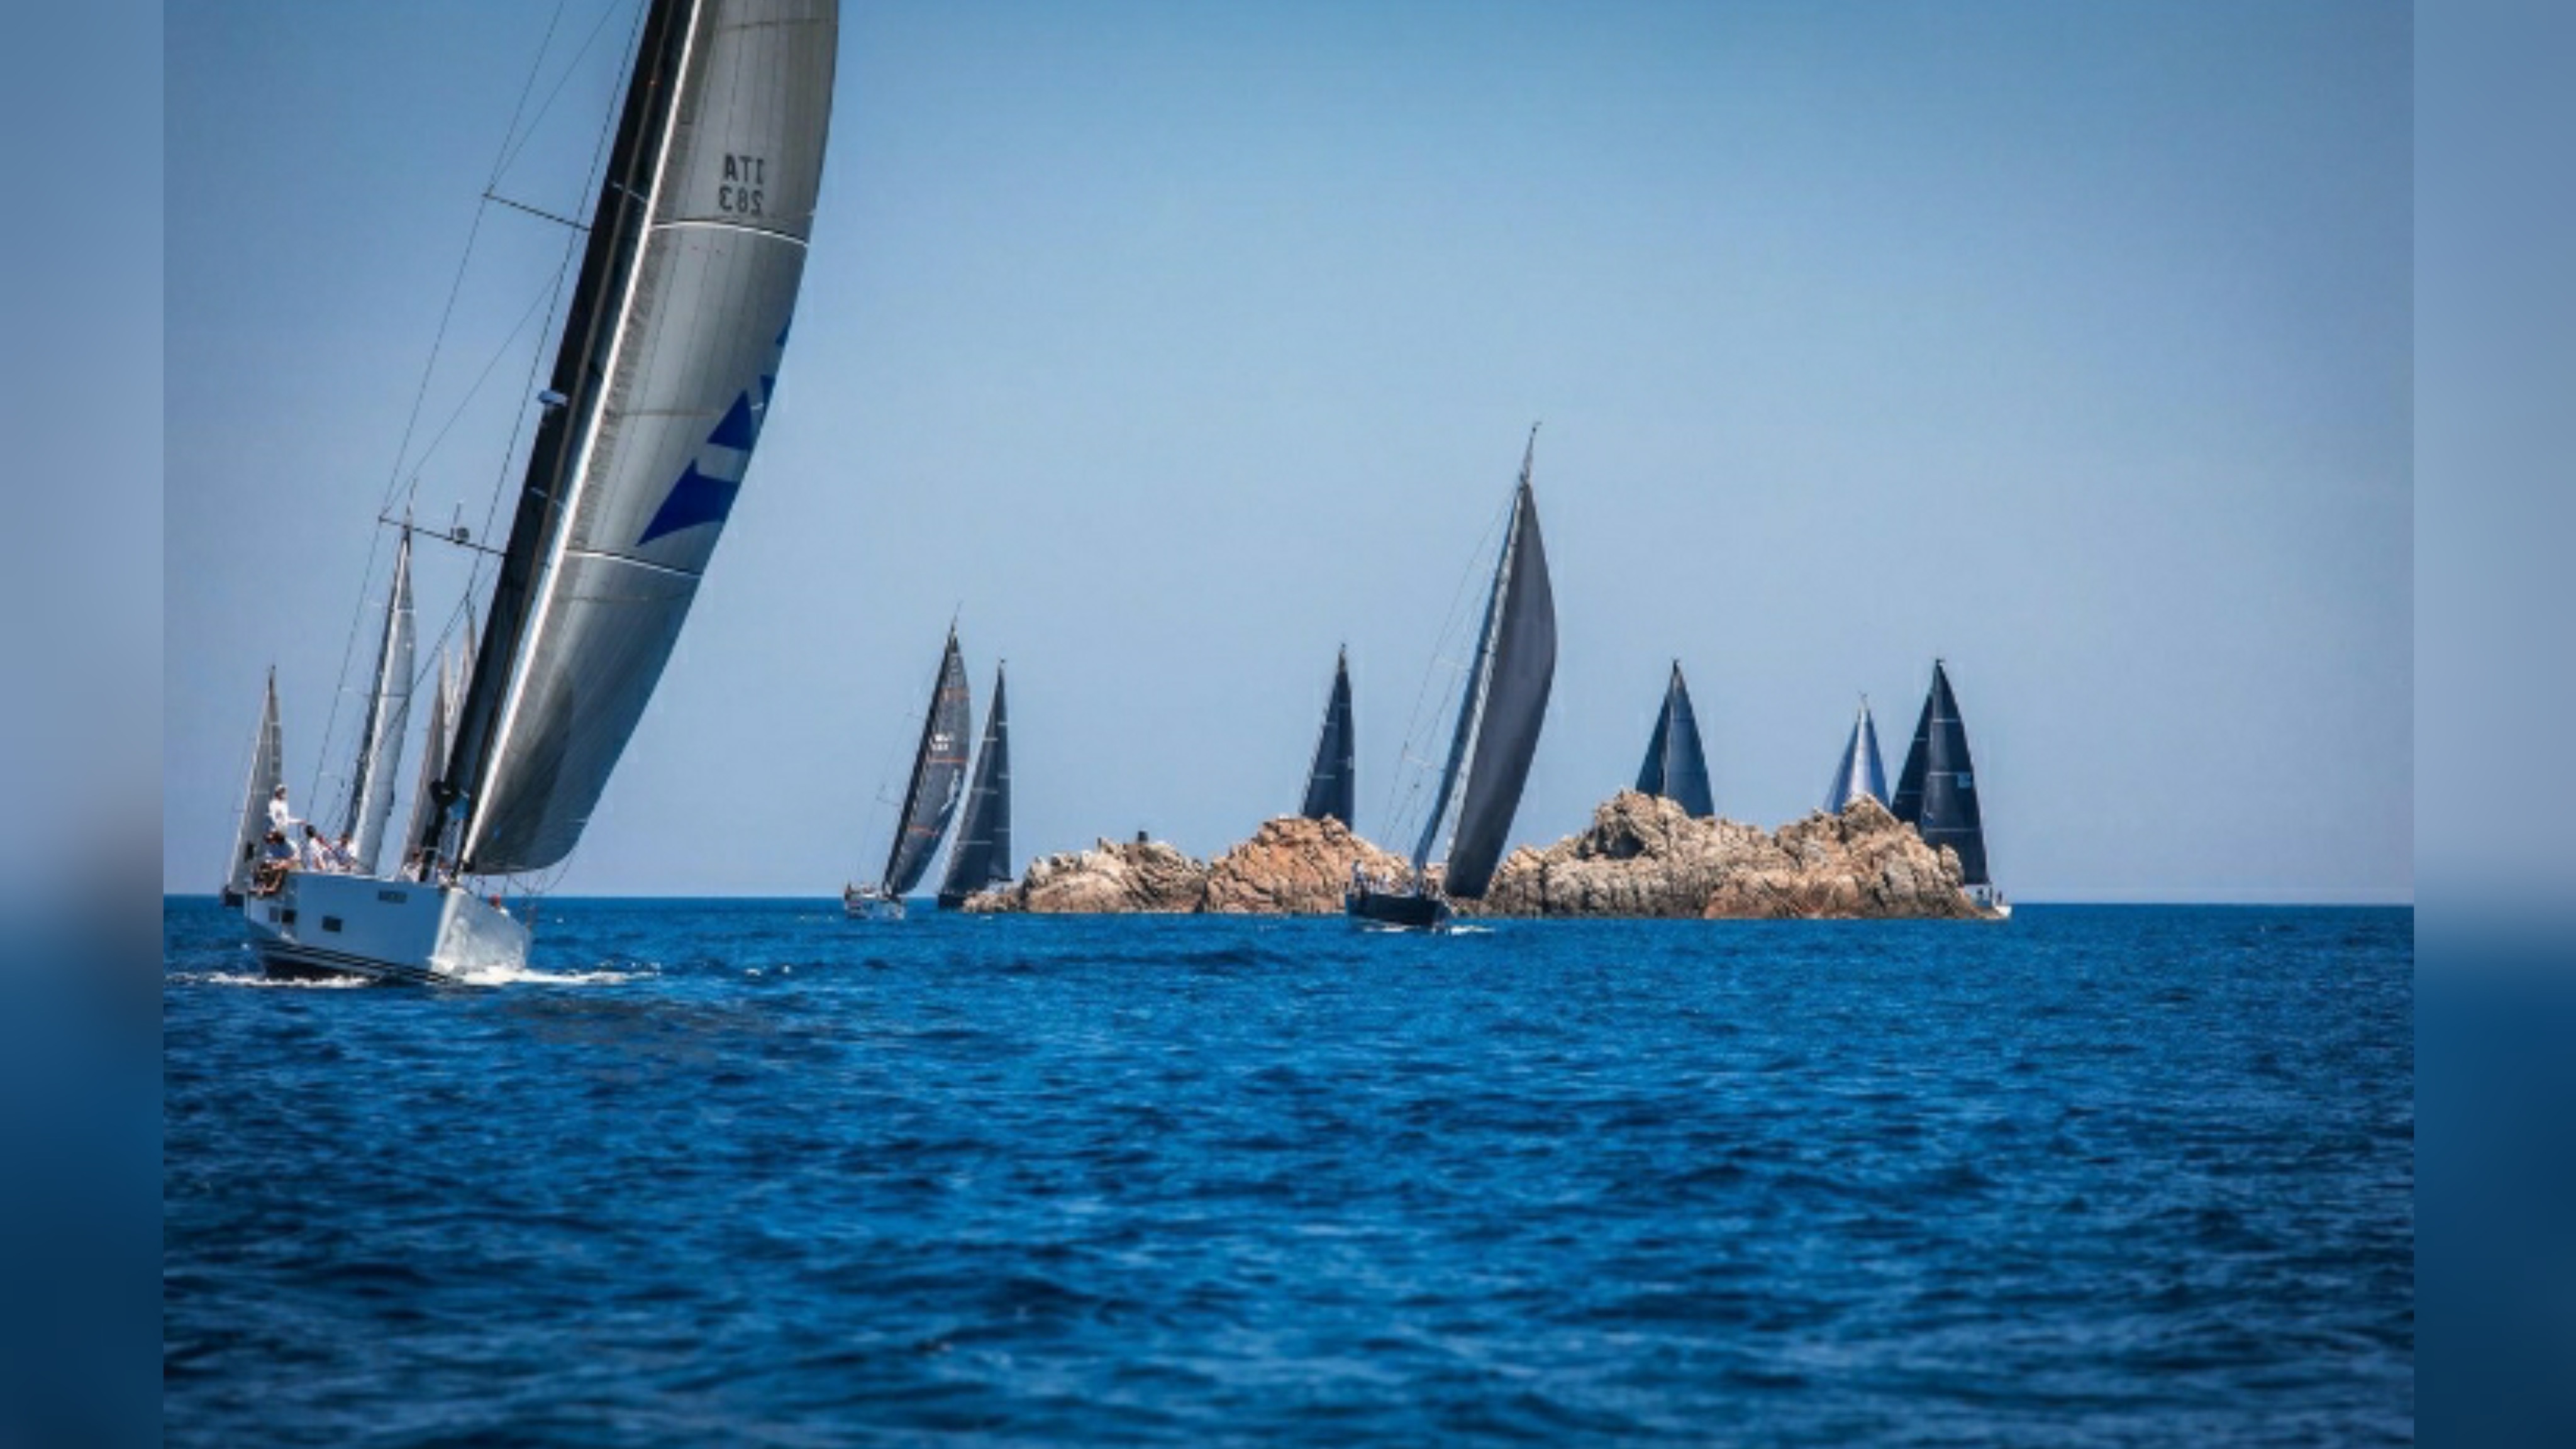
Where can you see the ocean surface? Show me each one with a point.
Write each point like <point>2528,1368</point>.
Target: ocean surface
<point>745,1172</point>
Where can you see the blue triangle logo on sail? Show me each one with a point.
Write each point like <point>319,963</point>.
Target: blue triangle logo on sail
<point>703,497</point>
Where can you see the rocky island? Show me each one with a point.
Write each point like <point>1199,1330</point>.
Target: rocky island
<point>1642,856</point>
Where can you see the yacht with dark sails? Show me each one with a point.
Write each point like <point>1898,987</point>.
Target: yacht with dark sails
<point>1675,767</point>
<point>981,857</point>
<point>1936,792</point>
<point>662,379</point>
<point>930,796</point>
<point>1860,772</point>
<point>1331,786</point>
<point>1495,736</point>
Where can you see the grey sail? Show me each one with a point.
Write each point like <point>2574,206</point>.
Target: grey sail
<point>1504,704</point>
<point>1332,787</point>
<point>1860,772</point>
<point>1675,766</point>
<point>433,753</point>
<point>1936,791</point>
<point>388,718</point>
<point>981,858</point>
<point>664,377</point>
<point>267,772</point>
<point>938,767</point>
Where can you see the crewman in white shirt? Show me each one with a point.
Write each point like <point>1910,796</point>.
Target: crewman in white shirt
<point>280,819</point>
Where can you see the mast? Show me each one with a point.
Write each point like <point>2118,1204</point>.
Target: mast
<point>616,229</point>
<point>982,855</point>
<point>930,796</point>
<point>662,380</point>
<point>380,738</point>
<point>1331,781</point>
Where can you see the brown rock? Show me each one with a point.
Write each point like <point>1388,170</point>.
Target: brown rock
<point>1644,856</point>
<point>1131,877</point>
<point>1293,866</point>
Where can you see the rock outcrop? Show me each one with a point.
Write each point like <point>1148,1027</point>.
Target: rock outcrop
<point>1142,877</point>
<point>1644,856</point>
<point>1293,866</point>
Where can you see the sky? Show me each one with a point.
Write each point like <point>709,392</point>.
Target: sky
<point>1171,347</point>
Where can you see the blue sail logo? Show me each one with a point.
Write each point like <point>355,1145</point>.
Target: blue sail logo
<point>699,496</point>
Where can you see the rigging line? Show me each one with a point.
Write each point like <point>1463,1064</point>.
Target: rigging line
<point>544,295</point>
<point>1450,623</point>
<point>512,152</point>
<point>536,359</point>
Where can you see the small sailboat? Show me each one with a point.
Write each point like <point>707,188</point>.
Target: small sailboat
<point>1936,791</point>
<point>929,798</point>
<point>267,772</point>
<point>1496,735</point>
<point>1332,787</point>
<point>981,857</point>
<point>663,375</point>
<point>1860,772</point>
<point>1675,767</point>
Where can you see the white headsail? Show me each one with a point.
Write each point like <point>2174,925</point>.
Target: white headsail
<point>380,738</point>
<point>267,772</point>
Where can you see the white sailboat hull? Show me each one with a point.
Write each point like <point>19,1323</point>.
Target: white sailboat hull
<point>863,903</point>
<point>385,930</point>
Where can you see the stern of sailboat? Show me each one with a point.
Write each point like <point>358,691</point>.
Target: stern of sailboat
<point>317,924</point>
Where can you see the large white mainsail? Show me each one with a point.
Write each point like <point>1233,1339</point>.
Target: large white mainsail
<point>267,772</point>
<point>667,366</point>
<point>380,738</point>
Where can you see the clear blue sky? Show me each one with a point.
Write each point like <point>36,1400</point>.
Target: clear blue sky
<point>1177,344</point>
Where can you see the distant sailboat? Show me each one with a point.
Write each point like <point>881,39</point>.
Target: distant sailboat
<point>1675,767</point>
<point>981,858</point>
<point>267,772</point>
<point>1936,791</point>
<point>1499,715</point>
<point>663,374</point>
<point>1331,786</point>
<point>1860,772</point>
<point>929,798</point>
<point>380,737</point>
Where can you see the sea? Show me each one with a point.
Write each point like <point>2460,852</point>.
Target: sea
<point>747,1172</point>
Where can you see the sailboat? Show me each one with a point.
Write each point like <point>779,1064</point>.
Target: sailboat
<point>662,378</point>
<point>267,772</point>
<point>1496,735</point>
<point>1332,786</point>
<point>1936,791</point>
<point>929,798</point>
<point>1674,767</point>
<point>981,857</point>
<point>1860,772</point>
<point>370,808</point>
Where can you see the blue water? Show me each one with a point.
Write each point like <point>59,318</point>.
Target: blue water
<point>761,1175</point>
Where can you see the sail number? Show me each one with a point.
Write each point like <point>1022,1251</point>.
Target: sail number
<point>746,181</point>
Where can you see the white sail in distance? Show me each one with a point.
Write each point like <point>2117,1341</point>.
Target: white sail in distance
<point>380,738</point>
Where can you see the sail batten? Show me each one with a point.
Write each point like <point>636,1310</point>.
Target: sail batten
<point>981,858</point>
<point>1936,791</point>
<point>667,368</point>
<point>938,767</point>
<point>1676,767</point>
<point>1332,786</point>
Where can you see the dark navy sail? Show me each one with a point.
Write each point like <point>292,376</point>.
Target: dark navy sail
<point>1675,766</point>
<point>1331,787</point>
<point>1936,791</point>
<point>1505,704</point>
<point>1860,772</point>
<point>938,767</point>
<point>982,855</point>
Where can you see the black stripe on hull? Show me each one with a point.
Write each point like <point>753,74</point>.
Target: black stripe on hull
<point>310,963</point>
